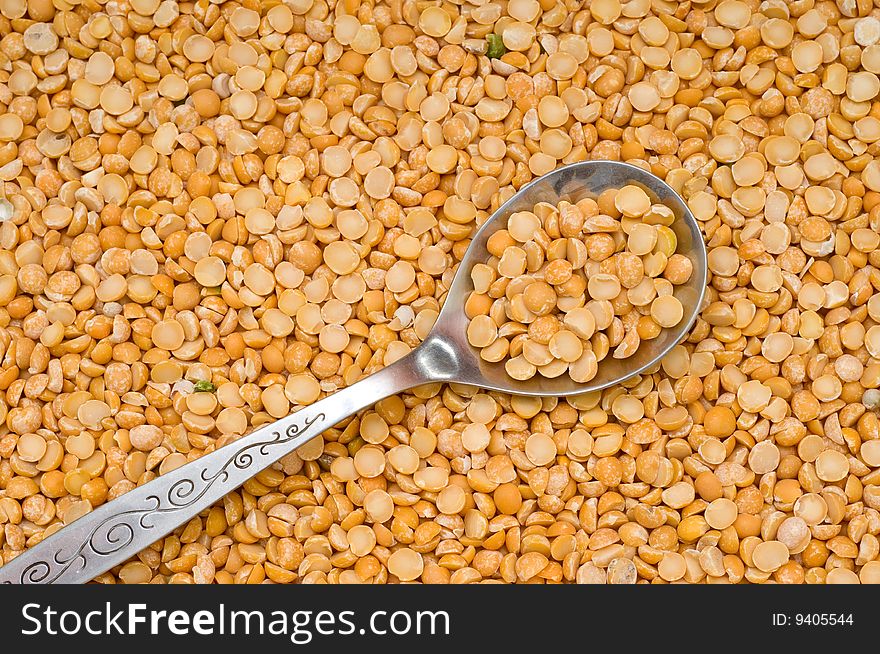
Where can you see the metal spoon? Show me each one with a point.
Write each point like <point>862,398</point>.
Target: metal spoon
<point>119,529</point>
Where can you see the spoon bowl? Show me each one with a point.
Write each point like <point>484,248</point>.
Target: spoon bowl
<point>117,530</point>
<point>452,358</point>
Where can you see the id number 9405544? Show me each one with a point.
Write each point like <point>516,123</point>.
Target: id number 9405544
<point>813,620</point>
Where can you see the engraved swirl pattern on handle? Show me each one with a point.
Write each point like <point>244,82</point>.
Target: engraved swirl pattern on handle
<point>114,534</point>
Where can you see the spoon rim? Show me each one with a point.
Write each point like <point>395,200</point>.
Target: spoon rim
<point>451,319</point>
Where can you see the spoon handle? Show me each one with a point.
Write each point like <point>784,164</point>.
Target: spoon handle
<point>121,528</point>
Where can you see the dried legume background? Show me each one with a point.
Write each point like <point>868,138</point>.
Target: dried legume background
<point>216,213</point>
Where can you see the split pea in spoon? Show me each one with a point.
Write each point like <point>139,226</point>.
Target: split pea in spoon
<point>115,531</point>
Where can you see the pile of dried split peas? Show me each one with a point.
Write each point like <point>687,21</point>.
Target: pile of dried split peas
<point>214,213</point>
<point>567,285</point>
